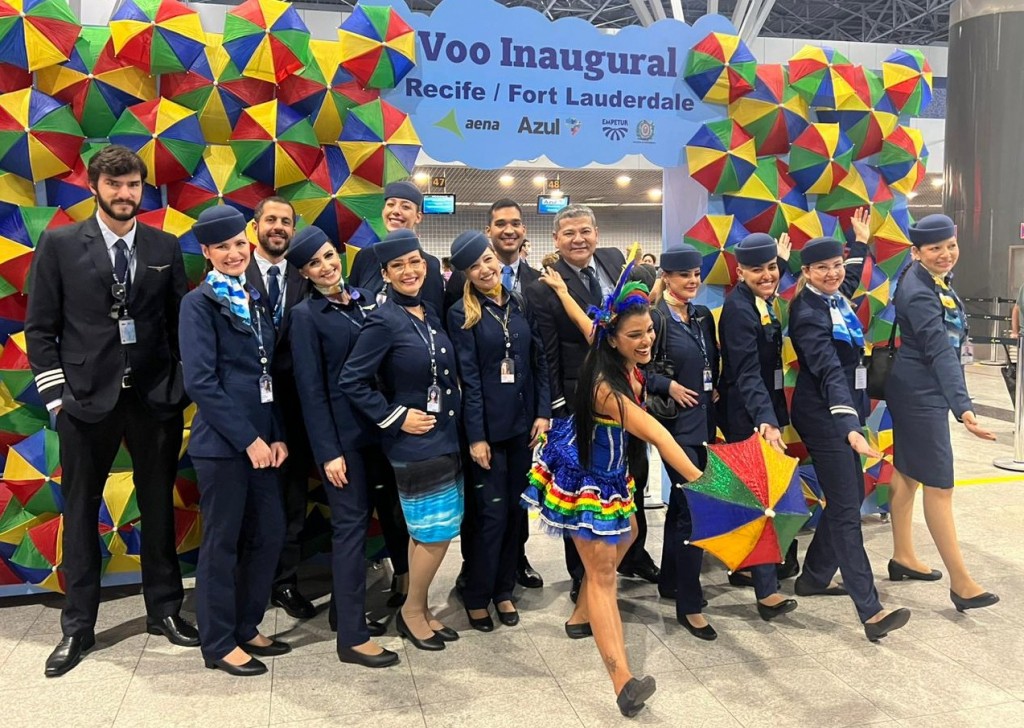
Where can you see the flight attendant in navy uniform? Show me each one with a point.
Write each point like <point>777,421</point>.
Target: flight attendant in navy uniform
<point>925,384</point>
<point>345,444</point>
<point>404,347</point>
<point>829,407</point>
<point>506,407</point>
<point>691,344</point>
<point>237,447</point>
<point>751,381</point>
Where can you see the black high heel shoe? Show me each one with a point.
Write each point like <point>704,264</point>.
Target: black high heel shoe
<point>448,634</point>
<point>634,694</point>
<point>433,643</point>
<point>250,669</point>
<point>769,613</point>
<point>386,658</point>
<point>483,624</point>
<point>274,649</point>
<point>893,620</point>
<point>509,619</point>
<point>985,599</point>
<point>899,572</point>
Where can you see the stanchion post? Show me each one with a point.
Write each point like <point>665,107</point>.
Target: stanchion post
<point>1016,463</point>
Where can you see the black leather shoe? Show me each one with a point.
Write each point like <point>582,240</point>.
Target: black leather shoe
<point>250,669</point>
<point>791,566</point>
<point>509,619</point>
<point>634,694</point>
<point>276,648</point>
<point>574,592</point>
<point>803,588</point>
<point>985,599</point>
<point>646,571</point>
<point>578,631</point>
<point>528,577</point>
<point>741,578</point>
<point>293,603</point>
<point>483,624</point>
<point>448,634</point>
<point>707,632</point>
<point>893,620</point>
<point>433,643</point>
<point>769,613</point>
<point>68,653</point>
<point>386,658</point>
<point>899,572</point>
<point>175,629</point>
<point>376,629</point>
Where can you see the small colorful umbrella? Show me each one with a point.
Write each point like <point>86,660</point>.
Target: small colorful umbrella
<point>39,555</point>
<point>862,187</point>
<point>215,89</point>
<point>39,136</point>
<point>35,34</point>
<point>813,495</point>
<point>275,145</point>
<point>810,225</point>
<point>769,201</point>
<point>773,113</point>
<point>377,47</point>
<point>903,160</point>
<point>892,246</point>
<point>324,91</point>
<point>14,519</point>
<point>881,326</point>
<point>179,225</point>
<point>820,157</point>
<point>379,143</point>
<point>715,236</point>
<point>872,293</point>
<point>864,129</point>
<point>166,135</point>
<point>119,524</point>
<point>15,192</point>
<point>721,156</point>
<point>721,69</point>
<point>18,421</point>
<point>33,473</point>
<point>217,181</point>
<point>19,234</point>
<point>15,372</point>
<point>97,84</point>
<point>157,36</point>
<point>748,505</point>
<point>822,76</point>
<point>907,78</point>
<point>266,39</point>
<point>13,78</point>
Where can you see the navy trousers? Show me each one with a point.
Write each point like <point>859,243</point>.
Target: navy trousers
<point>680,561</point>
<point>838,541</point>
<point>493,499</point>
<point>243,533</point>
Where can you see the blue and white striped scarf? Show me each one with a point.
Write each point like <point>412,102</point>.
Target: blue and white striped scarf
<point>232,290</point>
<point>846,327</point>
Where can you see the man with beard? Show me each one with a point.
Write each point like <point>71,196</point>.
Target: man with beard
<point>102,334</point>
<point>282,286</point>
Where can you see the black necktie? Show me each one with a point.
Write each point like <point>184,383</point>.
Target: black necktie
<point>590,278</point>
<point>121,266</point>
<point>274,287</point>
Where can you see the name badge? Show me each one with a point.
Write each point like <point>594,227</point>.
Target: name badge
<point>967,353</point>
<point>433,399</point>
<point>508,371</point>
<point>709,383</point>
<point>860,378</point>
<point>778,379</point>
<point>266,389</point>
<point>126,327</point>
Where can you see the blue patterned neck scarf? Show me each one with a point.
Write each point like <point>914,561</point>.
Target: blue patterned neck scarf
<point>232,290</point>
<point>846,326</point>
<point>952,312</point>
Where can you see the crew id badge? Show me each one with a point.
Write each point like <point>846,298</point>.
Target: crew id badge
<point>126,327</point>
<point>433,399</point>
<point>967,353</point>
<point>508,371</point>
<point>860,377</point>
<point>778,379</point>
<point>266,389</point>
<point>709,383</point>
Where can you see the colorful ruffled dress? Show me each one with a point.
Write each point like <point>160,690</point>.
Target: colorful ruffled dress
<point>592,502</point>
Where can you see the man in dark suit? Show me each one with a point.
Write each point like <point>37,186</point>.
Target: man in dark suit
<point>102,334</point>
<point>282,286</point>
<point>590,273</point>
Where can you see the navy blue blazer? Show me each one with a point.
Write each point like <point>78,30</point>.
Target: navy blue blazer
<point>694,425</point>
<point>220,358</point>
<point>391,352</point>
<point>323,335</point>
<point>492,411</point>
<point>366,274</point>
<point>825,399</point>
<point>751,352</point>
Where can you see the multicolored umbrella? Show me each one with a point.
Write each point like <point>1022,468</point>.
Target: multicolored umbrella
<point>773,113</point>
<point>40,553</point>
<point>180,225</point>
<point>13,78</point>
<point>39,136</point>
<point>158,36</point>
<point>822,76</point>
<point>98,85</point>
<point>266,39</point>
<point>903,160</point>
<point>15,192</point>
<point>720,69</point>
<point>215,89</point>
<point>721,156</point>
<point>892,246</point>
<point>33,473</point>
<point>810,225</point>
<point>864,129</point>
<point>769,201</point>
<point>715,236</point>
<point>379,143</point>
<point>813,494</point>
<point>19,234</point>
<point>377,47</point>
<point>35,34</point>
<point>748,505</point>
<point>119,524</point>
<point>216,181</point>
<point>14,519</point>
<point>907,78</point>
<point>324,91</point>
<point>881,327</point>
<point>871,294</point>
<point>820,157</point>
<point>862,187</point>
<point>275,145</point>
<point>166,135</point>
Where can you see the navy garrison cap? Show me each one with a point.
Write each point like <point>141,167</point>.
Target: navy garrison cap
<point>756,249</point>
<point>404,190</point>
<point>396,244</point>
<point>932,229</point>
<point>217,224</point>
<point>467,249</point>
<point>818,249</point>
<point>306,243</point>
<point>681,257</point>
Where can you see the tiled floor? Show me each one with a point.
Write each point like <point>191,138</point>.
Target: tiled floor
<point>814,668</point>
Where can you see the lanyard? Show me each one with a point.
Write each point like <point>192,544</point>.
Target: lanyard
<point>429,344</point>
<point>128,268</point>
<point>697,337</point>
<point>257,331</point>
<point>362,314</point>
<point>503,324</point>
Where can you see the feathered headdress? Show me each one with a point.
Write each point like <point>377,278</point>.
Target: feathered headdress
<point>626,293</point>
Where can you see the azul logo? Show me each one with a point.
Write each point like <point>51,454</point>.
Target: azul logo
<point>615,129</point>
<point>644,130</point>
<point>548,128</point>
